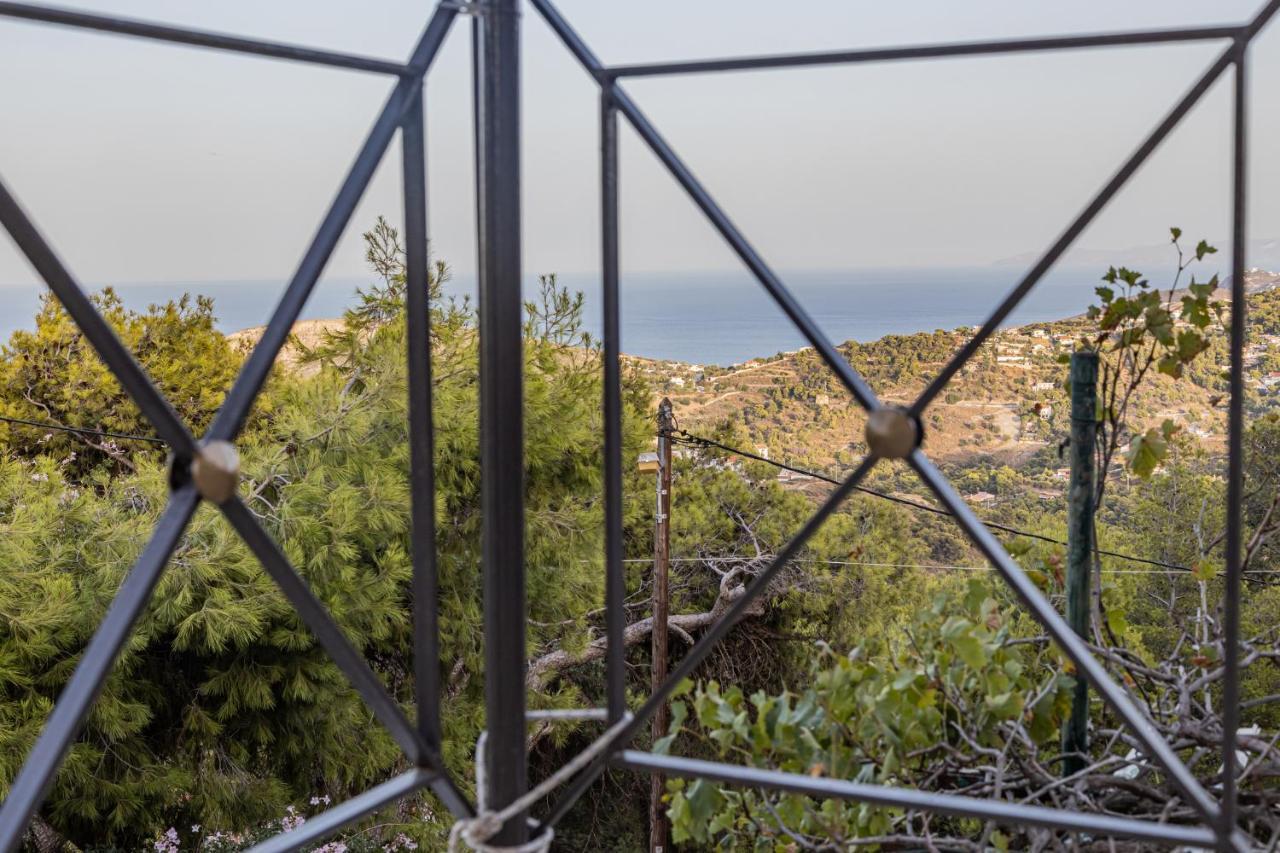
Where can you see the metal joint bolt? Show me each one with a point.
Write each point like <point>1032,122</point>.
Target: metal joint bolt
<point>216,471</point>
<point>893,432</point>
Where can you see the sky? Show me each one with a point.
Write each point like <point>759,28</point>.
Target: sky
<point>151,162</point>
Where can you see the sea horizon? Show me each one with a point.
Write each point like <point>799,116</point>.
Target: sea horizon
<point>710,317</point>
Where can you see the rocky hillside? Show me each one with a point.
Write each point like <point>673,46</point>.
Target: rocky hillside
<point>1009,404</point>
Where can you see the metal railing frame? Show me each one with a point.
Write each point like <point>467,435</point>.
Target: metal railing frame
<point>496,72</point>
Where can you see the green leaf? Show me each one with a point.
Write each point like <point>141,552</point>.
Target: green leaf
<point>704,801</point>
<point>905,679</point>
<point>663,744</point>
<point>969,649</point>
<point>1146,452</point>
<point>1116,621</point>
<point>1006,706</point>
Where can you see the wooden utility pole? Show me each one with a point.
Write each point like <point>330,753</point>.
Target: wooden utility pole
<point>658,828</point>
<point>1080,508</point>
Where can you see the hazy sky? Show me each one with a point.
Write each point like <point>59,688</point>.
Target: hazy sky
<point>149,162</point>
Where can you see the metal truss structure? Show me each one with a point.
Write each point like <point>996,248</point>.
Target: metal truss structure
<point>207,468</point>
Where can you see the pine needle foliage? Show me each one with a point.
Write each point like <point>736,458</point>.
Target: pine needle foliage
<point>223,711</point>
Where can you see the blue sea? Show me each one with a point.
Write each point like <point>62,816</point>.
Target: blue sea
<point>704,317</point>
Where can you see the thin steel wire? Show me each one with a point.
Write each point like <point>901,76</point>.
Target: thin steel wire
<point>101,433</point>
<point>700,441</point>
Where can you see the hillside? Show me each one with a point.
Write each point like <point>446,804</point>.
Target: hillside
<point>1007,405</point>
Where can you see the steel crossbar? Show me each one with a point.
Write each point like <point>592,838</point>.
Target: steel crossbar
<point>496,67</point>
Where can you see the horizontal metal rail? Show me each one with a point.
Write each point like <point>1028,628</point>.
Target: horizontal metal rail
<point>198,38</point>
<point>999,811</point>
<point>953,50</point>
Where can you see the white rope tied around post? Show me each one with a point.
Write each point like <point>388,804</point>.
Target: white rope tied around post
<point>475,832</point>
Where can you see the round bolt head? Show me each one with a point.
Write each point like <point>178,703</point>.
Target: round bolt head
<point>892,433</point>
<point>216,471</point>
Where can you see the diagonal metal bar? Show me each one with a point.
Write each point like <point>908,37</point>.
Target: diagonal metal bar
<point>1235,452</point>
<point>615,579</point>
<point>999,811</point>
<point>1095,206</point>
<point>422,488</point>
<point>63,725</point>
<point>99,333</point>
<point>329,635</point>
<point>230,419</point>
<point>326,823</point>
<point>715,214</point>
<point>1074,647</point>
<point>800,318</point>
<point>927,51</point>
<point>715,634</point>
<point>1261,19</point>
<point>196,38</point>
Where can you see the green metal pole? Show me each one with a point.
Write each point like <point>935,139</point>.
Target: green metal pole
<point>1080,508</point>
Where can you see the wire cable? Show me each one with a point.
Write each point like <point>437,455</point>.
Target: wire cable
<point>124,436</point>
<point>685,437</point>
<point>746,558</point>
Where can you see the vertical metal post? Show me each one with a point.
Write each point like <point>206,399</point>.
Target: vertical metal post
<point>615,581</point>
<point>1235,465</point>
<point>658,828</point>
<point>1080,508</point>
<point>426,629</point>
<point>497,101</point>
